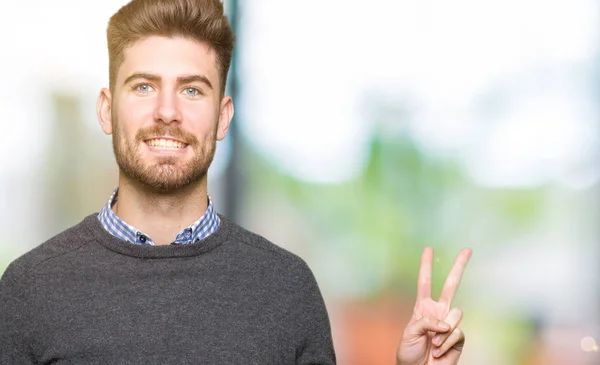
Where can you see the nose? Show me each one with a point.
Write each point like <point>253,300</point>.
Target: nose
<point>167,110</point>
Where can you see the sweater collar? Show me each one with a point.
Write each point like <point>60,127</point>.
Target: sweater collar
<point>100,234</point>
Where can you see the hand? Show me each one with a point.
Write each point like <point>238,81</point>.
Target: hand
<point>432,336</point>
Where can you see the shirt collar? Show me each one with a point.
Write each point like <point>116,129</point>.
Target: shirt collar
<point>200,229</point>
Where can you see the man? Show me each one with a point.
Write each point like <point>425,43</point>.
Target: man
<point>157,276</point>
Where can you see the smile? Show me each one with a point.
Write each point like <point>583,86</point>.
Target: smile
<point>166,144</point>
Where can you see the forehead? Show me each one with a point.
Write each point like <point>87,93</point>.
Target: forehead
<point>169,58</point>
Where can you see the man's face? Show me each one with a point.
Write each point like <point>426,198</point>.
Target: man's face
<point>166,113</point>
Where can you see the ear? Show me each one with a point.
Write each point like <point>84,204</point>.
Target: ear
<point>104,110</point>
<point>225,116</point>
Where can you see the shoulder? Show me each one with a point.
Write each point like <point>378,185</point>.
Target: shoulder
<point>258,245</point>
<point>63,243</point>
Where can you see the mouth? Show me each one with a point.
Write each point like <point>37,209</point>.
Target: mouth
<point>165,144</point>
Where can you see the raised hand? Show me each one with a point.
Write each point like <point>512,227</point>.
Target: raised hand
<point>432,336</point>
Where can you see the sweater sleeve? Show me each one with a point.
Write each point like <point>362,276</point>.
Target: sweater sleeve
<point>15,316</point>
<point>317,344</point>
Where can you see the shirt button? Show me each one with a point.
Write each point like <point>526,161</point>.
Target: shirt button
<point>142,238</point>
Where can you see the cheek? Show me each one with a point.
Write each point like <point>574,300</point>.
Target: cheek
<point>201,120</point>
<point>133,116</point>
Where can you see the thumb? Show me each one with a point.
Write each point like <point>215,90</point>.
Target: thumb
<point>424,325</point>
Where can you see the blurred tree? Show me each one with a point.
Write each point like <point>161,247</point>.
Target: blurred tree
<point>405,199</point>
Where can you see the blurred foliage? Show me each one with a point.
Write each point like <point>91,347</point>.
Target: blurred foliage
<point>404,200</point>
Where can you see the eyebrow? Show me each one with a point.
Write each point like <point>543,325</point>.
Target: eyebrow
<point>180,80</point>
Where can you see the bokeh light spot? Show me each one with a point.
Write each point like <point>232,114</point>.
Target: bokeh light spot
<point>588,344</point>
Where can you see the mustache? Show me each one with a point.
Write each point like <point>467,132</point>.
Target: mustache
<point>163,130</point>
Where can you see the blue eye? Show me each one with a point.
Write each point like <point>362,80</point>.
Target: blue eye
<point>143,88</point>
<point>191,91</point>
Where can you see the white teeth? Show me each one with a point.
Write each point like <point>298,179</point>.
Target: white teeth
<point>165,143</point>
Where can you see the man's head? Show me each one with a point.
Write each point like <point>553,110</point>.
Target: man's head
<point>168,64</point>
<point>203,21</point>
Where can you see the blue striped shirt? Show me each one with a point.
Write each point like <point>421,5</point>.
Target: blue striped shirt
<point>200,229</point>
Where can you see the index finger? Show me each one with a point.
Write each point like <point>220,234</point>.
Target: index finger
<point>455,276</point>
<point>424,281</point>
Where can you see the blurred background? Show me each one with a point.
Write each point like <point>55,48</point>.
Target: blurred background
<point>364,131</point>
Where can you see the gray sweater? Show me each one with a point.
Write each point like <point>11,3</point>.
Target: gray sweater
<point>85,297</point>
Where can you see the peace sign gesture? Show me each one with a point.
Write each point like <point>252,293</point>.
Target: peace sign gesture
<point>432,336</point>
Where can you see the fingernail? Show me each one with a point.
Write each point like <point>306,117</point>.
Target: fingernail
<point>437,340</point>
<point>436,352</point>
<point>444,325</point>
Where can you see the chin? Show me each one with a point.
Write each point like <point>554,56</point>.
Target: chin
<point>170,181</point>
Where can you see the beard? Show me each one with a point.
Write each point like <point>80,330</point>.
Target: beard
<point>165,173</point>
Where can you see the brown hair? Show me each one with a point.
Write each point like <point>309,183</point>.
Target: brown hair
<point>200,20</point>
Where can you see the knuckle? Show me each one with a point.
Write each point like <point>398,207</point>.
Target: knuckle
<point>455,310</point>
<point>458,312</point>
<point>453,281</point>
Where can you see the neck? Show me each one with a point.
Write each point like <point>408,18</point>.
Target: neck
<point>160,215</point>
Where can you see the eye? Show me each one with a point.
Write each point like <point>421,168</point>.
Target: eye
<point>143,88</point>
<point>191,91</point>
